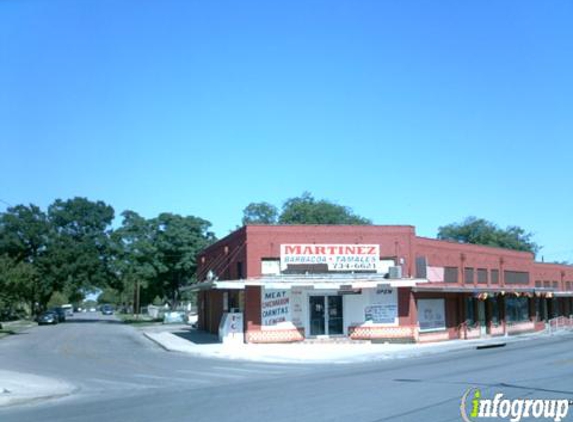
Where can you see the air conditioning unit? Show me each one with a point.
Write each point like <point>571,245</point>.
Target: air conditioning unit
<point>395,272</point>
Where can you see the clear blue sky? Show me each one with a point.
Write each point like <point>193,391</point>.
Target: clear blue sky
<point>410,112</point>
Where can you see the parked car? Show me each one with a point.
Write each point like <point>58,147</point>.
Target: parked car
<point>69,309</point>
<point>60,313</point>
<point>48,317</point>
<point>107,310</point>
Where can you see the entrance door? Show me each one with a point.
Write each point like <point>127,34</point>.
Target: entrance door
<point>481,317</point>
<point>325,315</point>
<point>317,315</point>
<point>334,317</point>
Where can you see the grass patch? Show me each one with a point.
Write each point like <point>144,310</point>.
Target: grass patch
<point>139,320</point>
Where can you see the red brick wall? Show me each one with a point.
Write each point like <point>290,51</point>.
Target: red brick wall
<point>214,310</point>
<point>265,241</point>
<point>450,254</point>
<point>201,310</point>
<point>223,256</point>
<point>553,272</point>
<point>252,308</point>
<point>407,314</point>
<point>250,244</point>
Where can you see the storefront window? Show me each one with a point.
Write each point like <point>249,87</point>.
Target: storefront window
<point>544,312</point>
<point>538,310</point>
<point>557,308</point>
<point>495,318</point>
<point>431,314</point>
<point>470,311</point>
<point>516,309</point>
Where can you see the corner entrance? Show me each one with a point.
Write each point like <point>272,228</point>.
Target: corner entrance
<point>325,315</point>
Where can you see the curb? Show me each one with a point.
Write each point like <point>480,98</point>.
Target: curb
<point>154,340</point>
<point>358,357</point>
<point>15,401</point>
<point>21,388</point>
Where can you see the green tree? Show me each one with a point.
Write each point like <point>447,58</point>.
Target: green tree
<point>57,299</point>
<point>25,236</point>
<point>18,285</point>
<point>482,232</point>
<point>306,210</point>
<point>110,296</point>
<point>177,240</point>
<point>157,255</point>
<point>79,253</point>
<point>24,233</point>
<point>260,213</point>
<point>135,255</point>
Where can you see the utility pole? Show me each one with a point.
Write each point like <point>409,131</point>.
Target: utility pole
<point>136,299</point>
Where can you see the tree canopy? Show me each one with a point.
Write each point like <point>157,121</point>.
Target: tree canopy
<point>482,232</point>
<point>72,249</point>
<point>260,213</point>
<point>304,209</point>
<point>158,254</point>
<point>177,241</point>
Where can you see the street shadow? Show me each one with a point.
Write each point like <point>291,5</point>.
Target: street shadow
<point>12,333</point>
<point>197,336</point>
<point>92,321</point>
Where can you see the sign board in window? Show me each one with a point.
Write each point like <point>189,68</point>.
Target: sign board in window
<point>298,299</point>
<point>383,307</point>
<point>270,266</point>
<point>381,314</point>
<point>337,257</point>
<point>275,306</point>
<point>431,314</point>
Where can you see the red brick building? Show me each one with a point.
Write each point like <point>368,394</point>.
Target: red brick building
<point>375,283</point>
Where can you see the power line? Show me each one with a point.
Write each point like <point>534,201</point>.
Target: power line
<point>7,203</point>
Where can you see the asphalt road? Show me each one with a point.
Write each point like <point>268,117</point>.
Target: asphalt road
<point>120,376</point>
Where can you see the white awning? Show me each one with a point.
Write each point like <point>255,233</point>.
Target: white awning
<point>315,282</point>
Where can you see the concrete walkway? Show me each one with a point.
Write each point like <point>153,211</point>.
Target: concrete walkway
<point>193,342</point>
<point>18,388</point>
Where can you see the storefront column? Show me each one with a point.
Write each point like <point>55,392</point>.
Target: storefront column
<point>252,309</point>
<point>407,311</point>
<point>488,314</point>
<point>463,324</point>
<point>532,313</point>
<point>501,305</point>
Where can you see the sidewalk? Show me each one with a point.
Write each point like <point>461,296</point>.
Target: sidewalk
<point>186,340</point>
<point>18,388</point>
<point>14,327</point>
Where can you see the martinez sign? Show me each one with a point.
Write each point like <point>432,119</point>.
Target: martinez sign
<point>338,257</point>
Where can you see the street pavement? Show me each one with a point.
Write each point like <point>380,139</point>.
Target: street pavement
<point>119,375</point>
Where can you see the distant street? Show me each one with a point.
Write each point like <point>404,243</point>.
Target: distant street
<point>120,376</point>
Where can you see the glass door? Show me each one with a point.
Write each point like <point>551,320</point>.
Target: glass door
<point>325,315</point>
<point>317,315</point>
<point>335,326</point>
